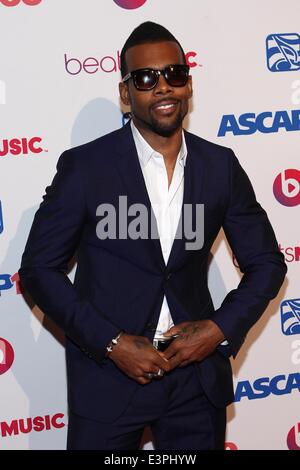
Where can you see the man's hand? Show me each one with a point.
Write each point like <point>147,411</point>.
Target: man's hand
<point>196,340</point>
<point>136,356</point>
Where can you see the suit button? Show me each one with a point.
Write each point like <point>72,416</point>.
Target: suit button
<point>168,276</point>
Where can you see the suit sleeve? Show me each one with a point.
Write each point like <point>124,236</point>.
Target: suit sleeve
<point>253,242</point>
<point>53,239</point>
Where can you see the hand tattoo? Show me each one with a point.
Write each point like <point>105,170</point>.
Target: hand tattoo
<point>188,331</point>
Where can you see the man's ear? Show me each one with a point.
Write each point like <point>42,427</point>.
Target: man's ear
<point>124,93</point>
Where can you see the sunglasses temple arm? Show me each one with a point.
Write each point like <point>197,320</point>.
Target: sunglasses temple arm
<point>124,79</point>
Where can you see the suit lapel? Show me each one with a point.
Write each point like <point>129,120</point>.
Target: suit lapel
<point>130,172</point>
<point>193,180</point>
<point>128,166</point>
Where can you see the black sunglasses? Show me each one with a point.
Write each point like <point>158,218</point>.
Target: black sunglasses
<point>175,75</point>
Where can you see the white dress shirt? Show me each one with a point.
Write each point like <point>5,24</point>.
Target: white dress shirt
<point>166,203</point>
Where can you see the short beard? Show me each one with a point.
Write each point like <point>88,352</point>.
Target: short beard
<point>162,130</point>
<point>166,131</point>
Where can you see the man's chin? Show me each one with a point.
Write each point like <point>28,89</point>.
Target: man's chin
<point>166,130</point>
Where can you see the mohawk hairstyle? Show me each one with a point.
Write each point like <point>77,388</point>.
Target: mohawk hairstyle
<point>144,33</point>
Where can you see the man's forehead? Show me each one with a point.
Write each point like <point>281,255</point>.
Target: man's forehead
<point>153,54</point>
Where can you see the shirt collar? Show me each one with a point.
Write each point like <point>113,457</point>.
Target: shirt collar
<point>145,151</point>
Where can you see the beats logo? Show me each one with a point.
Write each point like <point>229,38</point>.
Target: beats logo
<point>6,356</point>
<point>130,4</point>
<point>14,3</point>
<point>286,187</point>
<point>293,438</point>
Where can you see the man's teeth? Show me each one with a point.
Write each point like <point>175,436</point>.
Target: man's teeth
<point>166,106</point>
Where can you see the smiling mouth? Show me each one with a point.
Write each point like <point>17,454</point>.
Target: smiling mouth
<point>165,109</point>
<point>166,106</point>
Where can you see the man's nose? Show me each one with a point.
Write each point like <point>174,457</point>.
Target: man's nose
<point>162,86</point>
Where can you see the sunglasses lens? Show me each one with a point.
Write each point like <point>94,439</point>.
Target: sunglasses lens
<point>177,75</point>
<point>145,79</point>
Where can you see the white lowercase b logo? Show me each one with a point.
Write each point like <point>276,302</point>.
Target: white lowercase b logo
<point>286,187</point>
<point>6,356</point>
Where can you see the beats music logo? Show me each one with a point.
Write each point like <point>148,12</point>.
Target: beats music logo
<point>23,146</point>
<point>130,4</point>
<point>28,425</point>
<point>6,356</point>
<point>293,438</point>
<point>14,3</point>
<point>286,188</point>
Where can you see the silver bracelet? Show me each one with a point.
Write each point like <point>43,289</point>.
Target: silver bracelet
<point>113,342</point>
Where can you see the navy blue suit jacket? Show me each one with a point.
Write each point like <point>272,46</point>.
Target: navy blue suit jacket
<point>120,283</point>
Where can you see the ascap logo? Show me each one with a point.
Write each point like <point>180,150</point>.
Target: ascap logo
<point>266,122</point>
<point>23,146</point>
<point>27,425</point>
<point>265,386</point>
<point>290,317</point>
<point>283,52</point>
<point>130,4</point>
<point>14,3</point>
<point>6,356</point>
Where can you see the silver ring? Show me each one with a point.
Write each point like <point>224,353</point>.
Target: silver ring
<point>149,375</point>
<point>160,373</point>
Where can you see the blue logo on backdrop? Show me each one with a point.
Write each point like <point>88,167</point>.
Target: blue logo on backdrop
<point>266,122</point>
<point>1,219</point>
<point>5,282</point>
<point>290,317</point>
<point>283,52</point>
<point>265,386</point>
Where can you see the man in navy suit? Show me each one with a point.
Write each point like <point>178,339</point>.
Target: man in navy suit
<point>141,284</point>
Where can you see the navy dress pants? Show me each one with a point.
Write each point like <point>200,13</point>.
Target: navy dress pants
<point>176,409</point>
